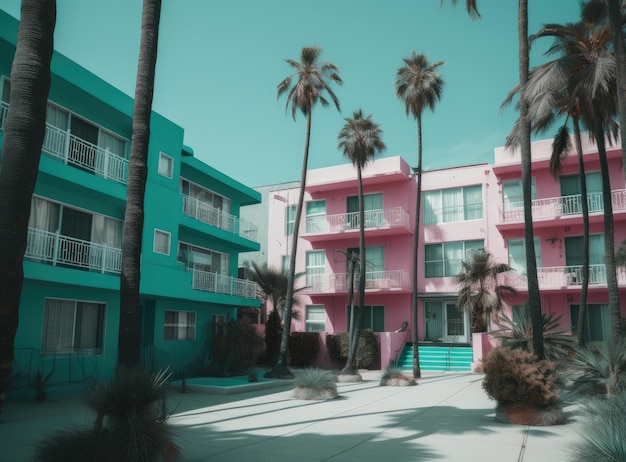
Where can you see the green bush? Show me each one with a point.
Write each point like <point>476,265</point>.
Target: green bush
<point>366,353</point>
<point>515,376</point>
<point>315,384</point>
<point>273,331</point>
<point>130,425</point>
<point>602,431</point>
<point>303,348</point>
<point>230,348</point>
<point>598,369</point>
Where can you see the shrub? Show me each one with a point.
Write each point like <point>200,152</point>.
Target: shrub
<point>366,353</point>
<point>602,431</point>
<point>231,348</point>
<point>557,343</point>
<point>515,376</point>
<point>315,384</point>
<point>393,375</point>
<point>273,330</point>
<point>131,423</point>
<point>303,348</point>
<point>599,369</point>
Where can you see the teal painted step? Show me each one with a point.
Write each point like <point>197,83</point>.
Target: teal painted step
<point>438,358</point>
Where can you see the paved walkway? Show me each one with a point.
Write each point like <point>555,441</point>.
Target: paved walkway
<point>447,417</point>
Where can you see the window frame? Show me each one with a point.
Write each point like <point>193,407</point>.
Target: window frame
<point>290,221</point>
<point>169,173</point>
<point>176,326</point>
<point>438,215</point>
<point>310,324</point>
<point>164,233</point>
<point>446,262</point>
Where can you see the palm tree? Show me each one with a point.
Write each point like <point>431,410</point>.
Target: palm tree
<point>480,293</point>
<point>312,82</point>
<point>129,341</point>
<point>24,132</point>
<point>617,34</point>
<point>419,85</point>
<point>360,140</point>
<point>273,285</point>
<point>585,59</point>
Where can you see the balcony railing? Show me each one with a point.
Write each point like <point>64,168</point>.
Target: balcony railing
<point>388,218</point>
<point>558,277</point>
<point>556,207</point>
<point>83,154</point>
<point>374,280</point>
<point>221,284</point>
<point>56,249</point>
<point>73,150</point>
<point>206,213</point>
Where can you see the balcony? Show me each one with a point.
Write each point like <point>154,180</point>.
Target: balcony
<point>395,280</point>
<point>72,150</point>
<point>221,284</point>
<point>561,277</point>
<point>558,208</point>
<point>213,216</point>
<point>58,250</point>
<point>326,227</point>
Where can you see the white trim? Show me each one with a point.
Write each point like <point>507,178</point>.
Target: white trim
<point>169,241</point>
<point>169,174</point>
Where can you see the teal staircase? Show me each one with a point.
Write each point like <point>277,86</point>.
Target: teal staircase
<point>438,358</point>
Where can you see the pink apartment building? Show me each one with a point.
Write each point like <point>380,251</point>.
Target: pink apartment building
<point>464,208</point>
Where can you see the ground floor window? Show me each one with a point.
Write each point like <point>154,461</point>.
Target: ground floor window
<point>72,325</point>
<point>180,325</point>
<point>373,318</point>
<point>315,318</point>
<point>597,322</point>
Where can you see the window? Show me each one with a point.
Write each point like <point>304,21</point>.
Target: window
<point>455,204</point>
<point>374,261</point>
<point>519,313</point>
<point>373,207</point>
<point>315,267</point>
<point>180,325</point>
<point>284,263</point>
<point>315,318</point>
<point>316,216</point>
<point>166,165</point>
<point>72,325</point>
<point>373,318</point>
<point>512,195</point>
<point>517,254</point>
<point>4,101</point>
<point>161,242</point>
<point>597,322</point>
<point>574,258</point>
<point>570,193</point>
<point>201,259</point>
<point>205,196</point>
<point>290,219</point>
<point>444,260</point>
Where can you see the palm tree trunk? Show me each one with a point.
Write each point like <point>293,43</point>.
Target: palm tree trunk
<point>534,297</point>
<point>129,340</point>
<point>615,19</point>
<point>24,132</point>
<point>417,373</point>
<point>609,232</point>
<point>355,328</point>
<point>585,210</point>
<point>280,370</point>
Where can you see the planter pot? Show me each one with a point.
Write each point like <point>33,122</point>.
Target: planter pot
<point>528,414</point>
<point>314,394</point>
<point>398,381</point>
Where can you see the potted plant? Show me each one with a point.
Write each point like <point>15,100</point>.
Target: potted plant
<point>39,382</point>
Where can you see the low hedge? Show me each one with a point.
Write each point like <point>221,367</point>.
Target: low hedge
<point>303,348</point>
<point>366,353</point>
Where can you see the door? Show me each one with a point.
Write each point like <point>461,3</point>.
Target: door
<point>445,323</point>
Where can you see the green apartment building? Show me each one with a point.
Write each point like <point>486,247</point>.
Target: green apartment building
<point>192,237</point>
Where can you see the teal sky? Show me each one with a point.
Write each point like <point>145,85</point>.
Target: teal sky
<point>220,61</point>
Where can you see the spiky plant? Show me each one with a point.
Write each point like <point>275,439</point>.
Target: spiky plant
<point>557,343</point>
<point>392,371</point>
<point>599,369</point>
<point>315,384</point>
<point>602,432</point>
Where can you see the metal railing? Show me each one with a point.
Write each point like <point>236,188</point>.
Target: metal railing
<point>56,249</point>
<point>222,284</point>
<point>554,207</point>
<point>210,215</point>
<point>562,276</point>
<point>338,282</point>
<point>387,218</point>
